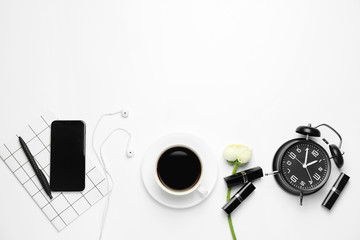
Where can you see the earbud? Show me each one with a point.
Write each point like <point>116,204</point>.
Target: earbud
<point>130,153</point>
<point>124,113</point>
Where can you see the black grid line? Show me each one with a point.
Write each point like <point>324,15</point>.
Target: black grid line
<point>45,121</point>
<point>77,201</point>
<point>57,213</point>
<point>85,197</point>
<point>38,137</point>
<point>52,206</point>
<point>71,206</point>
<point>37,162</point>
<point>91,169</point>
<point>94,184</point>
<point>45,148</point>
<point>25,142</point>
<point>18,163</point>
<point>35,174</point>
<point>23,170</point>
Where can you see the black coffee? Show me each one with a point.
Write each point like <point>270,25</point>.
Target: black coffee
<point>179,168</point>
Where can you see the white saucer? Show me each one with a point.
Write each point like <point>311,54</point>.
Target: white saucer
<point>209,171</point>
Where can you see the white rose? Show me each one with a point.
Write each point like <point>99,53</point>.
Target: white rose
<point>237,152</point>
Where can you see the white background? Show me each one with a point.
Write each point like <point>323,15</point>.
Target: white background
<point>229,71</point>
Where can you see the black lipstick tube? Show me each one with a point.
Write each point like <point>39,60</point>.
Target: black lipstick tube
<point>335,191</point>
<point>242,177</point>
<point>238,198</point>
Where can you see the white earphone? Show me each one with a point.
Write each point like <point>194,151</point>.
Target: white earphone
<point>128,152</point>
<point>124,114</point>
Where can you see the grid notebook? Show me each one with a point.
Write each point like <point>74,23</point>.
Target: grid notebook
<point>64,207</point>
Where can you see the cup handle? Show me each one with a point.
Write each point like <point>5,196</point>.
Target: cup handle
<point>203,191</point>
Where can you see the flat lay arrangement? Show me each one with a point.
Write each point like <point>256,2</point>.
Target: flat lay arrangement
<point>179,170</point>
<point>175,120</point>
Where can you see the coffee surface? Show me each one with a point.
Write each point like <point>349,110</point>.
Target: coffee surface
<point>179,168</point>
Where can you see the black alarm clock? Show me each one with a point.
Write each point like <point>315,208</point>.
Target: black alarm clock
<point>302,166</point>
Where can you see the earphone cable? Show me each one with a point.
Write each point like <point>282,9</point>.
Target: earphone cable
<point>108,177</point>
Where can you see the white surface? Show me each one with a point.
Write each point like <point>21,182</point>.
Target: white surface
<point>64,207</point>
<point>228,71</point>
<point>207,181</point>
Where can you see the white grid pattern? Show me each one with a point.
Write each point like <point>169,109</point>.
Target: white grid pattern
<point>65,207</point>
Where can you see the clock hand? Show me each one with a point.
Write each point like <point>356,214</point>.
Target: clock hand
<point>311,181</point>
<point>306,156</point>
<point>313,162</point>
<point>299,161</point>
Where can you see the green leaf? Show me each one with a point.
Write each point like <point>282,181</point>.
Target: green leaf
<point>232,162</point>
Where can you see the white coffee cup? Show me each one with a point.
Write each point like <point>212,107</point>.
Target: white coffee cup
<point>179,170</point>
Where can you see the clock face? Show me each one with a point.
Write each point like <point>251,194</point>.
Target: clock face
<point>305,166</point>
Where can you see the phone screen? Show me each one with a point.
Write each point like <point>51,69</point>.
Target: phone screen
<point>67,165</point>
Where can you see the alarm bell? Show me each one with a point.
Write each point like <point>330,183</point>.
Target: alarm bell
<point>336,155</point>
<point>308,130</point>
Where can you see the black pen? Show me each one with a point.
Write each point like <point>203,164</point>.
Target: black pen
<point>40,175</point>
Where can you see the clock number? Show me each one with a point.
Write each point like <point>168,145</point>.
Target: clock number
<point>316,176</point>
<point>293,178</point>
<point>292,155</point>
<point>315,153</point>
<point>288,163</point>
<point>298,150</point>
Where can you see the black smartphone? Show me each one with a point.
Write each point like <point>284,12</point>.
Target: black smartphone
<point>67,156</point>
